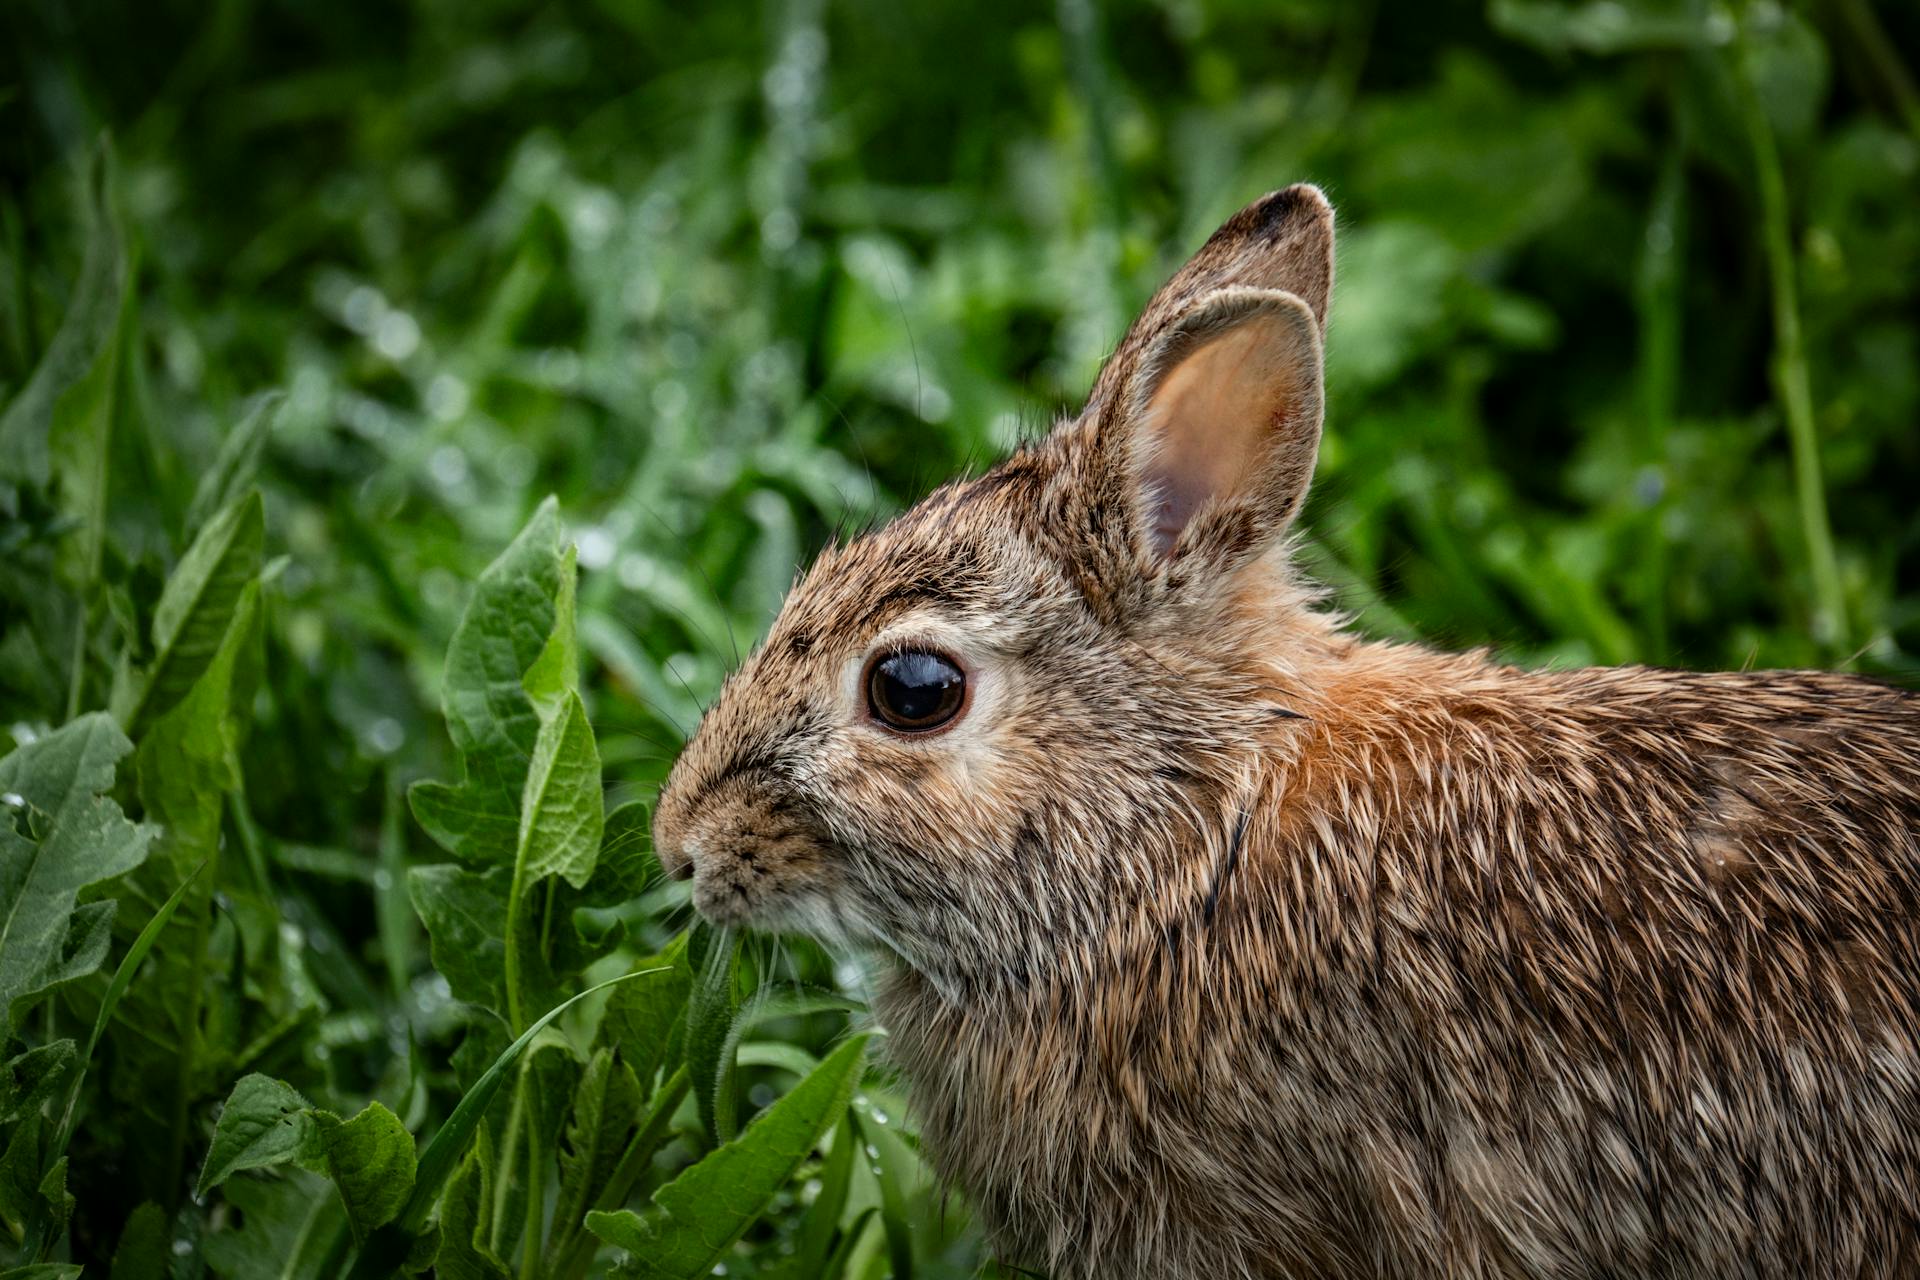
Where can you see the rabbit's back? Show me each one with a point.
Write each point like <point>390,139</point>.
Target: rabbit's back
<point>1580,973</point>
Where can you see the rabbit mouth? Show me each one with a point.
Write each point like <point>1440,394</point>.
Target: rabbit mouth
<point>729,897</point>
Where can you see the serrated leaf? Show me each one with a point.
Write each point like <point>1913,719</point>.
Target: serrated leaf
<point>556,672</point>
<point>465,1214</point>
<point>56,1202</point>
<point>626,865</point>
<point>74,836</point>
<point>189,758</point>
<point>493,722</point>
<point>465,914</point>
<point>372,1161</point>
<point>264,1123</point>
<point>562,812</point>
<point>606,1107</point>
<point>195,612</point>
<point>697,1217</point>
<point>640,1016</point>
<point>22,1164</point>
<point>236,462</point>
<point>29,1079</point>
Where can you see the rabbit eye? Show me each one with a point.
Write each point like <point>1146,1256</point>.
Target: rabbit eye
<point>915,690</point>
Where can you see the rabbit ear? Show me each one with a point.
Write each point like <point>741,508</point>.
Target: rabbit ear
<point>1284,240</point>
<point>1217,432</point>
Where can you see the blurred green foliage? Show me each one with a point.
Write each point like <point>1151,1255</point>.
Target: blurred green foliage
<point>1624,366</point>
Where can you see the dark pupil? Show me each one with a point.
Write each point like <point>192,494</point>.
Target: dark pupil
<point>917,690</point>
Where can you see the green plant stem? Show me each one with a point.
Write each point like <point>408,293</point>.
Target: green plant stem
<point>1790,363</point>
<point>536,1209</point>
<point>575,1248</point>
<point>503,1175</point>
<point>516,929</point>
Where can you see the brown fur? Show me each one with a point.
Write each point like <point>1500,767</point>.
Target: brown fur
<point>1228,944</point>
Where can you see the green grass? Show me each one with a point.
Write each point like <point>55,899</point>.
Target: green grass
<point>1624,366</point>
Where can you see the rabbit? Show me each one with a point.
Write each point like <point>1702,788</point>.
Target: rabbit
<point>1219,941</point>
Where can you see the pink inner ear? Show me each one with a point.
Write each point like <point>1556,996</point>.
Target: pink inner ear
<point>1215,418</point>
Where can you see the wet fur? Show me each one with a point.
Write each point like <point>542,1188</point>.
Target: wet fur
<point>1228,944</point>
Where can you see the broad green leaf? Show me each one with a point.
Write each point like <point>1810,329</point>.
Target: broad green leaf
<point>43,1271</point>
<point>493,722</point>
<point>600,912</point>
<point>59,833</point>
<point>195,613</point>
<point>606,1107</point>
<point>626,864</point>
<point>170,1024</point>
<point>263,1123</point>
<point>189,758</point>
<point>562,814</point>
<point>22,1165</point>
<point>465,1218</point>
<point>123,977</point>
<point>145,1250</point>
<point>371,1159</point>
<point>510,942</point>
<point>288,1225</point>
<point>465,914</point>
<point>640,1016</point>
<point>697,1217</point>
<point>41,1201</point>
<point>30,1078</point>
<point>556,672</point>
<point>237,461</point>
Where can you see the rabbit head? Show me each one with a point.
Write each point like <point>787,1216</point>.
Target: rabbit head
<point>997,736</point>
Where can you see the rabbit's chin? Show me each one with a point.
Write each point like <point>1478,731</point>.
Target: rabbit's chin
<point>794,910</point>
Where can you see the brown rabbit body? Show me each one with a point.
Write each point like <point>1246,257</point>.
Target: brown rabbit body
<point>1228,944</point>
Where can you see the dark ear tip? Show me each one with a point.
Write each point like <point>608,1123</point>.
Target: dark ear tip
<point>1289,207</point>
